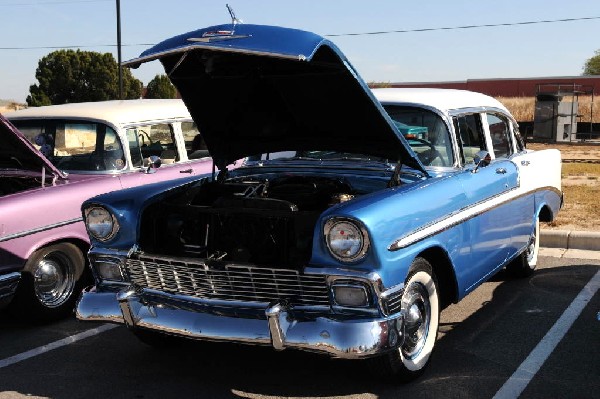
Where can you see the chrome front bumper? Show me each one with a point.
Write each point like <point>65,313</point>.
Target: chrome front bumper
<point>8,285</point>
<point>338,337</point>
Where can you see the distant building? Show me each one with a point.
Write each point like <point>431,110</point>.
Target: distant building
<point>508,87</point>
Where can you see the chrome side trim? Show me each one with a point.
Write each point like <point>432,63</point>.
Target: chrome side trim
<point>462,215</point>
<point>40,229</point>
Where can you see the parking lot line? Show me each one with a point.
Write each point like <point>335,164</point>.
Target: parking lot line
<point>55,345</point>
<point>517,383</point>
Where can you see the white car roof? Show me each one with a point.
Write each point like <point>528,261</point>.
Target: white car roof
<point>442,99</point>
<point>117,112</point>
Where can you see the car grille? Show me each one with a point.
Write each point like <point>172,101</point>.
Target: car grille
<point>393,303</point>
<point>232,282</point>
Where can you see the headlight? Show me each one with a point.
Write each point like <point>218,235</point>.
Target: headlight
<point>100,223</point>
<point>346,239</point>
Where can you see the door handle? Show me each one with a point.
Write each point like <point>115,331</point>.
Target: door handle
<point>186,171</point>
<point>501,171</point>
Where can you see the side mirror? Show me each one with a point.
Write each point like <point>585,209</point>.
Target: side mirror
<point>481,160</point>
<point>152,164</point>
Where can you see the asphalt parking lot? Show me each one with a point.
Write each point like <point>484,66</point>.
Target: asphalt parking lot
<point>506,328</point>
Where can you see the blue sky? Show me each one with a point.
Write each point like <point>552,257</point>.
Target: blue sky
<point>550,49</point>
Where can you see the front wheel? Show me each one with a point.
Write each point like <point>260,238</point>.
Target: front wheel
<point>421,307</point>
<point>50,283</point>
<point>524,265</point>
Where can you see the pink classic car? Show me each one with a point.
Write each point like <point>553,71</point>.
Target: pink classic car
<point>62,155</point>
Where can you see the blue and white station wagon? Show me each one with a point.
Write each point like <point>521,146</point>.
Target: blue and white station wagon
<point>354,219</point>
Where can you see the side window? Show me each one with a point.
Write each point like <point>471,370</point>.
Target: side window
<point>194,143</point>
<point>470,134</point>
<point>114,158</point>
<point>157,140</point>
<point>134,148</point>
<point>75,145</point>
<point>519,142</point>
<point>500,134</point>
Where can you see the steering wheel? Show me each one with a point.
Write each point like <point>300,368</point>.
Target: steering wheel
<point>143,135</point>
<point>428,156</point>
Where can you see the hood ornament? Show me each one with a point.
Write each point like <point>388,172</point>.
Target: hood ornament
<point>221,34</point>
<point>234,19</point>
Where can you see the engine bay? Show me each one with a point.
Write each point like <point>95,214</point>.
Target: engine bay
<point>264,221</point>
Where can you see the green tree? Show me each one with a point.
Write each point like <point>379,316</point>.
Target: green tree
<point>161,87</point>
<point>592,65</point>
<point>69,76</point>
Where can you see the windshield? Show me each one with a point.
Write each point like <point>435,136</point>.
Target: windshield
<point>75,145</point>
<point>426,133</point>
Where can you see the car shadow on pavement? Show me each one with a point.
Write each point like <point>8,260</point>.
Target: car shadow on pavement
<point>481,343</point>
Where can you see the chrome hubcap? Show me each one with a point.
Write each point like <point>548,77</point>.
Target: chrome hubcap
<point>54,279</point>
<point>531,247</point>
<point>418,316</point>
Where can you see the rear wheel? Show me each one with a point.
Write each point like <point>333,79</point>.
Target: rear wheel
<point>421,306</point>
<point>50,283</point>
<point>524,265</point>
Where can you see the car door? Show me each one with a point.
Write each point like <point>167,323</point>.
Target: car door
<point>487,188</point>
<point>520,207</point>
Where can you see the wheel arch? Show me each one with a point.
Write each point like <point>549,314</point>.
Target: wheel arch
<point>444,271</point>
<point>545,213</point>
<point>82,245</point>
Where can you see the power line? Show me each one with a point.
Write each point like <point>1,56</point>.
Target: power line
<point>54,2</point>
<point>464,27</point>
<point>74,46</point>
<point>330,35</point>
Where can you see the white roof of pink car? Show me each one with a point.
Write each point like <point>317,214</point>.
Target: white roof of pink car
<point>118,112</point>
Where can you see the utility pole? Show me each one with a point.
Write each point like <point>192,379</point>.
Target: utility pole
<point>119,49</point>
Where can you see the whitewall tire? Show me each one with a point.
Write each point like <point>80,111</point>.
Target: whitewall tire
<point>421,307</point>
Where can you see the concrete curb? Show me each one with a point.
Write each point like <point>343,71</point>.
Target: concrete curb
<point>585,240</point>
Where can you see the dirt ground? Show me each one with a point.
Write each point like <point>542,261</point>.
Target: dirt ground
<point>571,151</point>
<point>580,185</point>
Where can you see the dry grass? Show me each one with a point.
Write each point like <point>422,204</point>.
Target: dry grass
<point>581,188</point>
<point>570,151</point>
<point>522,108</point>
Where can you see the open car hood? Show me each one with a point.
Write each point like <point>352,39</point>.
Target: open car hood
<point>255,89</point>
<point>16,152</point>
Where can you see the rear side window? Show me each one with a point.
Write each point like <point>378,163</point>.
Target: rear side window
<point>194,143</point>
<point>470,134</point>
<point>500,135</point>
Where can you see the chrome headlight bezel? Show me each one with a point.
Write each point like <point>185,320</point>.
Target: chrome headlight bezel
<point>347,252</point>
<point>100,223</point>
